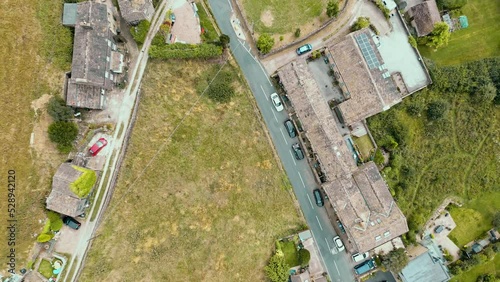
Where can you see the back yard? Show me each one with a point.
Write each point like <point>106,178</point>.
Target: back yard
<point>480,40</point>
<point>214,201</point>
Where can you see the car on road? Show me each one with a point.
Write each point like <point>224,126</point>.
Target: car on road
<point>304,49</point>
<point>97,147</point>
<point>71,222</point>
<point>364,267</point>
<point>318,198</point>
<point>297,150</point>
<point>357,257</point>
<point>290,128</point>
<point>338,243</point>
<point>341,226</point>
<point>277,102</point>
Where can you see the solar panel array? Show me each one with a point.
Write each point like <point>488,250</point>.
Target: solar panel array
<point>367,50</point>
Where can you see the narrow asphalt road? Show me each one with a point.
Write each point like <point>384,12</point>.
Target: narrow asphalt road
<point>300,175</point>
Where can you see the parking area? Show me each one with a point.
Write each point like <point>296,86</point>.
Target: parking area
<point>448,224</point>
<point>186,28</point>
<point>67,239</point>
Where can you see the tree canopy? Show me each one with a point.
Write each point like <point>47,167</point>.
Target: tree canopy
<point>63,133</point>
<point>58,110</point>
<point>332,8</point>
<point>496,220</point>
<point>439,36</point>
<point>277,269</point>
<point>395,260</point>
<point>360,23</point>
<point>304,257</point>
<point>265,43</point>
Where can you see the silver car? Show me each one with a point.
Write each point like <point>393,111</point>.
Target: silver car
<point>277,102</point>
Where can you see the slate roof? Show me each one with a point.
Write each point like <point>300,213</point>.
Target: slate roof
<point>425,267</point>
<point>61,199</point>
<point>424,16</point>
<point>134,11</point>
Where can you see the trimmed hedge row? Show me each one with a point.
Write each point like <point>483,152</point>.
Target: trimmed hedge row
<point>185,51</point>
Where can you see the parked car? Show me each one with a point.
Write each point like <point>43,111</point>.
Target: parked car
<point>318,198</point>
<point>364,267</point>
<point>71,222</point>
<point>290,128</point>
<point>304,49</point>
<point>277,102</point>
<point>341,226</point>
<point>299,155</point>
<point>97,147</point>
<point>338,243</point>
<point>357,257</point>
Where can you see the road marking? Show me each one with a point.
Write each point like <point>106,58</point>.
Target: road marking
<point>319,223</point>
<point>301,179</point>
<point>283,135</point>
<point>320,255</point>
<point>336,267</point>
<point>263,70</point>
<point>264,92</point>
<point>293,158</point>
<point>310,201</point>
<point>229,1</point>
<point>275,116</point>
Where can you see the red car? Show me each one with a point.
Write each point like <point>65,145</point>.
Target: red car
<point>97,147</point>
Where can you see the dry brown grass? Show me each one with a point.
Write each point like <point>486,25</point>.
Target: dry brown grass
<point>209,207</point>
<point>25,76</point>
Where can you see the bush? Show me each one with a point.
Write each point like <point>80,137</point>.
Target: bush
<point>361,22</point>
<point>44,237</point>
<point>55,220</point>
<point>297,32</point>
<point>485,94</point>
<point>281,37</point>
<point>379,157</point>
<point>451,4</point>
<point>185,51</point>
<point>224,40</point>
<point>412,41</point>
<point>439,36</point>
<point>265,43</point>
<point>304,257</point>
<point>140,31</point>
<point>221,89</point>
<point>332,8</point>
<point>63,133</point>
<point>395,260</point>
<point>437,110</point>
<point>58,110</point>
<point>383,8</point>
<point>277,270</point>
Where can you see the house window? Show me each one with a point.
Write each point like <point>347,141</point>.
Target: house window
<point>113,46</point>
<point>378,238</point>
<point>387,234</point>
<point>107,59</point>
<point>106,74</point>
<point>109,42</point>
<point>111,76</point>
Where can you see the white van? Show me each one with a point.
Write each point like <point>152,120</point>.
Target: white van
<point>357,257</point>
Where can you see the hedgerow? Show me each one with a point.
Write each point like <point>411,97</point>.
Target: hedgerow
<point>185,51</point>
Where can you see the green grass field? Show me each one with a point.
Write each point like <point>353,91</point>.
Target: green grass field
<point>480,40</point>
<point>291,254</point>
<point>212,204</point>
<point>277,17</point>
<point>492,267</point>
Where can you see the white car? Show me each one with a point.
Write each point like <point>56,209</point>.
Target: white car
<point>277,102</point>
<point>357,257</point>
<point>338,243</point>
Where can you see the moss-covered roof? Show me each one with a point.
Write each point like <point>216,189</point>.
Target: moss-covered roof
<point>84,183</point>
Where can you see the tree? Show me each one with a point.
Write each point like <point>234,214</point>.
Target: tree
<point>297,32</point>
<point>277,269</point>
<point>55,221</point>
<point>332,8</point>
<point>439,35</point>
<point>486,278</point>
<point>379,157</point>
<point>412,41</point>
<point>361,22</point>
<point>63,133</point>
<point>58,110</point>
<point>265,43</point>
<point>395,260</point>
<point>304,257</point>
<point>496,220</point>
<point>436,110</point>
<point>451,4</point>
<point>140,31</point>
<point>485,94</point>
<point>224,40</point>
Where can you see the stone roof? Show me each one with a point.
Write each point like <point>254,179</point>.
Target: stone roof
<point>359,194</point>
<point>424,16</point>
<point>61,199</point>
<point>90,69</point>
<point>134,11</point>
<point>425,267</point>
<point>370,92</point>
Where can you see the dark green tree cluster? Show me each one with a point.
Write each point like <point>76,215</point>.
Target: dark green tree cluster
<point>304,257</point>
<point>277,269</point>
<point>439,36</point>
<point>395,260</point>
<point>221,90</point>
<point>185,51</point>
<point>58,110</point>
<point>63,133</point>
<point>451,4</point>
<point>140,31</point>
<point>437,109</point>
<point>487,278</point>
<point>332,8</point>
<point>265,43</point>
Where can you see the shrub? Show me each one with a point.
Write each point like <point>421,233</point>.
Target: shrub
<point>332,8</point>
<point>361,22</point>
<point>304,257</point>
<point>281,38</point>
<point>412,41</point>
<point>221,89</point>
<point>374,29</point>
<point>44,237</point>
<point>451,4</point>
<point>265,43</point>
<point>437,110</point>
<point>55,220</point>
<point>379,157</point>
<point>395,260</point>
<point>58,110</point>
<point>277,270</point>
<point>439,36</point>
<point>485,94</point>
<point>224,40</point>
<point>63,133</point>
<point>140,31</point>
<point>185,51</point>
<point>297,32</point>
<point>383,8</point>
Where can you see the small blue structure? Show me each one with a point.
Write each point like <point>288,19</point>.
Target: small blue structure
<point>464,23</point>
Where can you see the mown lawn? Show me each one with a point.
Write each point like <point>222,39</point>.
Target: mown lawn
<point>480,40</point>
<point>291,254</point>
<point>365,146</point>
<point>27,72</point>
<point>213,202</point>
<point>45,268</point>
<point>474,218</point>
<point>492,267</point>
<point>286,16</point>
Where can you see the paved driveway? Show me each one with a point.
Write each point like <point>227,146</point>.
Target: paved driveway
<point>442,238</point>
<point>187,24</point>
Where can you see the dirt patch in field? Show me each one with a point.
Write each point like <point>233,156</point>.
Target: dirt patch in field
<point>267,18</point>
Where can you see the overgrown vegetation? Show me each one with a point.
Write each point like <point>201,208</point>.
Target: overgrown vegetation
<point>360,23</point>
<point>332,8</point>
<point>185,51</point>
<point>395,260</point>
<point>383,8</point>
<point>412,41</point>
<point>209,34</point>
<point>277,269</point>
<point>441,142</point>
<point>53,224</point>
<point>58,110</point>
<point>265,43</point>
<point>219,83</point>
<point>439,36</point>
<point>63,133</point>
<point>83,185</point>
<point>475,272</point>
<point>140,31</point>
